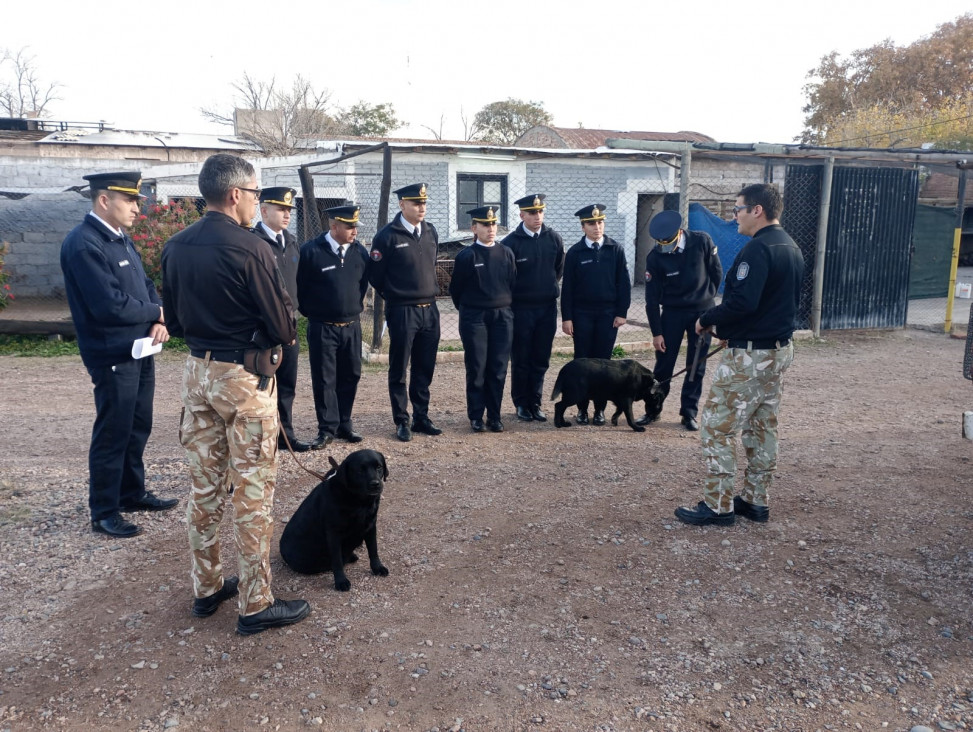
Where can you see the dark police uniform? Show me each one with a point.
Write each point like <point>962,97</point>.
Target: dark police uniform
<point>113,303</point>
<point>402,269</point>
<point>287,254</point>
<point>682,282</point>
<point>596,290</point>
<point>482,289</point>
<point>540,265</point>
<point>331,287</point>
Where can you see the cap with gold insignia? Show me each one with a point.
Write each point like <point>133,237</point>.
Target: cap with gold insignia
<point>533,202</point>
<point>125,182</point>
<point>664,227</point>
<point>414,192</point>
<point>483,214</point>
<point>347,214</point>
<point>594,212</point>
<point>280,196</point>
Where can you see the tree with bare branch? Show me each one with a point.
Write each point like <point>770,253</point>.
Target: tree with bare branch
<point>22,93</point>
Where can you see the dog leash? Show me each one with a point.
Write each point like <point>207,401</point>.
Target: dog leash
<point>315,473</point>
<point>695,362</point>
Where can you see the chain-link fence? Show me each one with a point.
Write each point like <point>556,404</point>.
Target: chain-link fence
<point>631,188</point>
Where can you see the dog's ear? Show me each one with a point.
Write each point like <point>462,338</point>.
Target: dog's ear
<point>334,463</point>
<point>385,467</point>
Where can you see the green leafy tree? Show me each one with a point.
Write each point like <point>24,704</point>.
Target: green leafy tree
<point>895,95</point>
<point>503,122</point>
<point>368,120</point>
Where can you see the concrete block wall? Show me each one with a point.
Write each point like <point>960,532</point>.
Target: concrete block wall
<point>34,228</point>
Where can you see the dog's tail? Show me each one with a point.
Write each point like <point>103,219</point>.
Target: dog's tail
<point>557,388</point>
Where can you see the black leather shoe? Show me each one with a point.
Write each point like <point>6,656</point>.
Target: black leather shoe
<point>582,418</point>
<point>403,432</point>
<point>151,502</point>
<point>760,514</point>
<point>477,425</point>
<point>599,419</point>
<point>321,441</point>
<point>348,435</point>
<point>538,415</point>
<point>703,515</point>
<point>296,444</point>
<point>494,425</point>
<point>282,612</point>
<point>690,424</point>
<point>425,427</point>
<point>524,415</point>
<point>646,419</point>
<point>116,527</point>
<point>203,607</point>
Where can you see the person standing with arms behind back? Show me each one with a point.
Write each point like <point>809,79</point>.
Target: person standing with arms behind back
<point>539,255</point>
<point>331,285</point>
<point>482,290</point>
<point>402,270</point>
<point>223,291</point>
<point>682,277</point>
<point>595,294</point>
<point>113,303</point>
<point>756,319</point>
<point>276,205</point>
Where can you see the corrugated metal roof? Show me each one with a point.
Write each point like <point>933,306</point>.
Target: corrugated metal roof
<point>133,138</point>
<point>589,139</point>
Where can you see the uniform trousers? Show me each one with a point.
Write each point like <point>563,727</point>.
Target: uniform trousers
<point>334,352</point>
<point>677,323</point>
<point>123,421</point>
<point>744,397</point>
<point>286,387</point>
<point>594,332</point>
<point>413,337</point>
<point>229,429</point>
<point>487,334</point>
<point>530,354</point>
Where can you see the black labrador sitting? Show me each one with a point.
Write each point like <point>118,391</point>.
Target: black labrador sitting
<point>336,517</point>
<point>602,380</point>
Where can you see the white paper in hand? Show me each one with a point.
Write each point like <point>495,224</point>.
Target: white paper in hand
<point>143,347</point>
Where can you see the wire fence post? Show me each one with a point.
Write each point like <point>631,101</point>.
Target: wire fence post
<point>378,310</point>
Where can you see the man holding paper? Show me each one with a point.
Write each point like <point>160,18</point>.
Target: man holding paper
<point>114,305</point>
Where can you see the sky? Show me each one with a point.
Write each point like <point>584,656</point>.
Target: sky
<point>733,72</point>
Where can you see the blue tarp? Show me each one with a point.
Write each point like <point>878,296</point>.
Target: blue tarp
<point>728,241</point>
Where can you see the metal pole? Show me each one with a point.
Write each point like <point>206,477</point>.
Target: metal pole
<point>378,312</point>
<point>312,217</point>
<point>824,214</point>
<point>685,164</point>
<point>957,236</point>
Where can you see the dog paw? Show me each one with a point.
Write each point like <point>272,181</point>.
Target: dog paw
<point>380,570</point>
<point>342,585</point>
<point>351,558</point>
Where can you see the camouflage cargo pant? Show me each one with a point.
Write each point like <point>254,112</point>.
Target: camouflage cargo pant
<point>744,397</point>
<point>229,430</point>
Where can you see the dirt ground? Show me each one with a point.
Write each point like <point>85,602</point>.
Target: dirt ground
<point>538,579</point>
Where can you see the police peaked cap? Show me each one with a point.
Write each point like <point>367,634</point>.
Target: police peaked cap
<point>414,192</point>
<point>533,202</point>
<point>594,212</point>
<point>664,226</point>
<point>484,214</point>
<point>280,196</point>
<point>347,214</point>
<point>125,182</point>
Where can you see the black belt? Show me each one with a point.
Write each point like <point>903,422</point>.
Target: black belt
<point>758,345</point>
<point>222,356</point>
<point>339,325</point>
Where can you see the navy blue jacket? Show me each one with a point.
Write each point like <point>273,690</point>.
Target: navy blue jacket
<point>287,259</point>
<point>483,277</point>
<point>328,289</point>
<point>112,301</point>
<point>686,280</point>
<point>540,265</point>
<point>596,280</point>
<point>403,270</point>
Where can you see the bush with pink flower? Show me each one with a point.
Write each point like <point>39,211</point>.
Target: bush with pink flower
<point>154,227</point>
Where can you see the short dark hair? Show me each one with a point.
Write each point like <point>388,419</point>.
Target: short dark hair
<point>220,174</point>
<point>764,195</point>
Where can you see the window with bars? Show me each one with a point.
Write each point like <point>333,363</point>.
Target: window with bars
<point>473,191</point>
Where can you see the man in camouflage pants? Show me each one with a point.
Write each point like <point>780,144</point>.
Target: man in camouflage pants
<point>221,287</point>
<point>756,320</point>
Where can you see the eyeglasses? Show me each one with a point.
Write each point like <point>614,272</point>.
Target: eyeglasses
<point>738,209</point>
<point>254,191</point>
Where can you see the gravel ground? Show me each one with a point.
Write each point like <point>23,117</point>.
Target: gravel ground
<point>538,578</point>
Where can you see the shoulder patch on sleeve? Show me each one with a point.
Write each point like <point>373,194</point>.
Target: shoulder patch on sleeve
<point>376,255</point>
<point>714,250</point>
<point>648,276</point>
<point>743,270</point>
